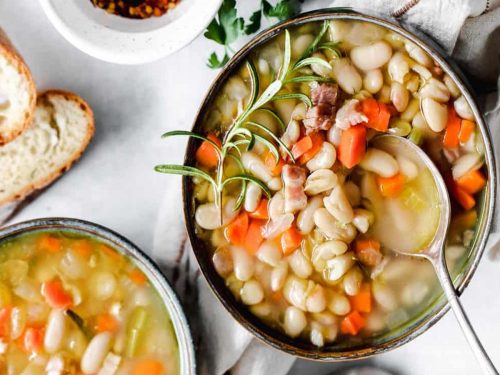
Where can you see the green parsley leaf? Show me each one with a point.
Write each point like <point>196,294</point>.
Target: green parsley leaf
<point>215,63</point>
<point>233,26</point>
<point>283,10</point>
<point>254,25</point>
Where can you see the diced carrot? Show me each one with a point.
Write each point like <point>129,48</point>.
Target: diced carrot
<point>55,295</point>
<point>352,323</point>
<point>368,252</point>
<point>261,211</point>
<point>254,236</point>
<point>362,301</point>
<point>270,161</point>
<point>148,367</point>
<point>302,146</point>
<point>450,139</point>
<point>472,182</point>
<point>5,320</point>
<point>33,340</point>
<point>317,141</point>
<point>390,186</point>
<point>290,240</point>
<point>465,199</point>
<point>236,231</point>
<point>49,243</point>
<point>106,323</point>
<point>277,296</point>
<point>138,277</point>
<point>378,114</point>
<point>82,247</point>
<point>467,128</point>
<point>352,146</point>
<point>207,154</point>
<point>110,252</point>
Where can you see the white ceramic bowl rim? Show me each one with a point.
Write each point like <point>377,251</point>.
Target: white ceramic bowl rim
<point>123,40</point>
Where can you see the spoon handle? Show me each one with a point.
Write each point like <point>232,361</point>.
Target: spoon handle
<point>476,346</point>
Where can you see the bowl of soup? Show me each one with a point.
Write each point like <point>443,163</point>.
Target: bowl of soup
<point>291,206</point>
<point>76,297</point>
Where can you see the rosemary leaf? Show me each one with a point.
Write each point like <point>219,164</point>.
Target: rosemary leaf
<point>273,136</point>
<point>300,79</point>
<point>184,170</point>
<point>268,94</point>
<point>249,178</point>
<point>312,47</point>
<point>272,148</point>
<point>295,95</point>
<point>254,79</point>
<point>191,134</point>
<point>80,323</point>
<point>310,61</point>
<point>286,57</point>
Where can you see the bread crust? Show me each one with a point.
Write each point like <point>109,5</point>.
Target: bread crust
<point>10,52</point>
<point>47,180</point>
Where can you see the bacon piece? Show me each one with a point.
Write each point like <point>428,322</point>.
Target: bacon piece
<point>321,115</point>
<point>293,179</point>
<point>349,114</point>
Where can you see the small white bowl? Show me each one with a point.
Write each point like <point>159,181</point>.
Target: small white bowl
<point>123,40</point>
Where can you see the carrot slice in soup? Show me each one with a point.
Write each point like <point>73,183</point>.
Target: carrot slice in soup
<point>148,367</point>
<point>317,140</point>
<point>390,186</point>
<point>207,154</point>
<point>55,295</point>
<point>352,146</point>
<point>290,240</point>
<point>236,231</point>
<point>33,340</point>
<point>82,247</point>
<point>450,139</point>
<point>5,320</point>
<point>362,301</point>
<point>106,323</point>
<point>138,277</point>
<point>472,182</point>
<point>467,128</point>
<point>378,114</point>
<point>302,146</point>
<point>270,162</point>
<point>352,323</point>
<point>49,243</point>
<point>254,236</point>
<point>261,211</point>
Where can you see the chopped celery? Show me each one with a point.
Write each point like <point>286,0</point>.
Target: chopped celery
<point>412,199</point>
<point>135,329</point>
<point>399,127</point>
<point>416,136</point>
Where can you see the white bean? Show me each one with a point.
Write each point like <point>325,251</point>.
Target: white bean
<point>298,114</point>
<point>398,67</point>
<point>418,54</point>
<point>399,96</point>
<point>334,135</point>
<point>292,132</point>
<point>411,110</point>
<point>252,293</point>
<point>236,88</point>
<point>347,76</point>
<point>362,219</point>
<point>305,218</point>
<point>243,263</point>
<point>207,215</point>
<point>326,251</point>
<point>275,184</point>
<point>102,284</point>
<point>412,83</point>
<point>55,331</point>
<point>222,261</point>
<point>95,353</point>
<point>436,90</point>
<point>278,275</point>
<point>276,206</point>
<point>320,181</point>
<point>331,228</point>
<point>17,322</point>
<point>320,70</point>
<point>285,108</point>
<point>252,197</point>
<point>384,94</point>
<point>324,159</point>
<point>352,193</point>
<point>300,265</point>
<point>352,281</point>
<point>295,321</point>
<point>295,291</point>
<point>316,300</point>
<point>300,44</point>
<point>338,266</point>
<point>422,71</point>
<point>384,296</point>
<point>371,56</point>
<point>435,114</point>
<point>339,304</point>
<point>463,108</point>
<point>256,166</point>
<point>234,284</point>
<point>452,86</point>
<point>421,124</point>
<point>414,293</point>
<point>407,167</point>
<point>110,366</point>
<point>263,67</point>
<point>373,81</point>
<point>316,334</point>
<point>269,253</point>
<point>379,162</point>
<point>262,310</point>
<point>338,205</point>
<point>465,164</point>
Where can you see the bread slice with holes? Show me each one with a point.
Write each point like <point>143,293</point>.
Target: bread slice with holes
<point>62,127</point>
<point>17,92</point>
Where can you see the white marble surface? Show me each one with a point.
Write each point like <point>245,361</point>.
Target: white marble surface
<point>114,183</point>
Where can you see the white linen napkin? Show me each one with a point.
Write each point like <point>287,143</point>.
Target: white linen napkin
<point>222,344</point>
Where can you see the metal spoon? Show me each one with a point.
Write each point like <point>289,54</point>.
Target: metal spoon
<point>434,252</point>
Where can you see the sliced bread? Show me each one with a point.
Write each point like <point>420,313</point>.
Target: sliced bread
<point>17,92</point>
<point>62,127</point>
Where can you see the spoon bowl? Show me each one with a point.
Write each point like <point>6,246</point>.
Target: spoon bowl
<point>434,250</point>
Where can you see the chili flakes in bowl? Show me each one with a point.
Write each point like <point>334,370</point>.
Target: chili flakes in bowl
<point>139,9</point>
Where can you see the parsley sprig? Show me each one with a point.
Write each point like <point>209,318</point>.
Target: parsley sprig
<point>227,27</point>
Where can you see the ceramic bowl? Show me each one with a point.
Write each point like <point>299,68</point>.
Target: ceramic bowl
<point>435,309</point>
<point>123,40</point>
